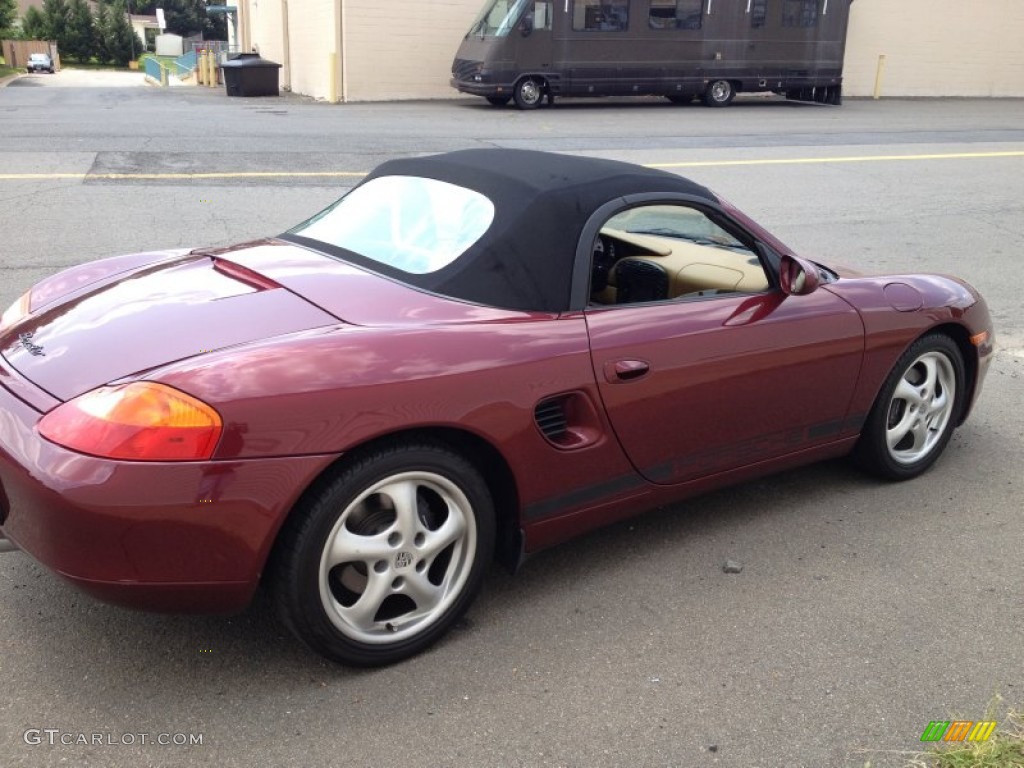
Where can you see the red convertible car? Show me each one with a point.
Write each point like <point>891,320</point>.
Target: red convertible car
<point>468,356</point>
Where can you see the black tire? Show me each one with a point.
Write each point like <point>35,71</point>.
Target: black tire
<point>529,93</point>
<point>318,589</point>
<point>499,101</point>
<point>915,413</point>
<point>719,93</point>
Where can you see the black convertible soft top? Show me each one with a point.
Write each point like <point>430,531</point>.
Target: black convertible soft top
<point>542,201</point>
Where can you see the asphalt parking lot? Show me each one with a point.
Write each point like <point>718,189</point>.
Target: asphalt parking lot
<point>864,609</point>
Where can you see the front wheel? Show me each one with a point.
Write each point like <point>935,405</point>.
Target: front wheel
<point>528,93</point>
<point>916,412</point>
<point>382,561</point>
<point>719,93</point>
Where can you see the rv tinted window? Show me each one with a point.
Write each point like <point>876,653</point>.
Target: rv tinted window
<point>800,13</point>
<point>758,13</point>
<point>676,14</point>
<point>602,15</point>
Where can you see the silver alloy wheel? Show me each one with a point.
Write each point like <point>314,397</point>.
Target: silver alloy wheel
<point>721,90</point>
<point>398,556</point>
<point>530,93</point>
<point>719,93</point>
<point>921,407</point>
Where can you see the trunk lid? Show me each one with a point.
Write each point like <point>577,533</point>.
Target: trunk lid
<point>146,318</point>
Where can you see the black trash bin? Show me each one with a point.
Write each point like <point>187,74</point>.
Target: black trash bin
<point>250,75</point>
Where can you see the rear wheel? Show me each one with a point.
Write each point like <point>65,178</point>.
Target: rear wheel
<point>382,561</point>
<point>719,93</point>
<point>916,412</point>
<point>529,93</point>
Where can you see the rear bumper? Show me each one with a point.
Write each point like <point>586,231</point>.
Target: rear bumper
<point>188,537</point>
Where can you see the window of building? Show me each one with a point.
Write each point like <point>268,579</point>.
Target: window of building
<point>800,13</point>
<point>600,15</point>
<point>758,13</point>
<point>676,14</point>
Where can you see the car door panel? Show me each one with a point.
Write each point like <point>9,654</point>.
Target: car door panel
<point>696,387</point>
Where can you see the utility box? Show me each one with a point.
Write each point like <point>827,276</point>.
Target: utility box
<point>250,75</point>
<point>170,45</point>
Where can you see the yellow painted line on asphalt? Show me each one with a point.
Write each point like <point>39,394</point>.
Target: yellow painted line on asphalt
<point>825,160</point>
<point>360,174</point>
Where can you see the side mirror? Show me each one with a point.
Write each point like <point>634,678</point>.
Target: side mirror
<point>798,277</point>
<point>526,25</point>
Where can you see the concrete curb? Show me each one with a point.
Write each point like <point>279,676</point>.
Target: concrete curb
<point>5,80</point>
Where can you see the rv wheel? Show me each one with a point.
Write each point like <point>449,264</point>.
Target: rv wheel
<point>529,93</point>
<point>719,93</point>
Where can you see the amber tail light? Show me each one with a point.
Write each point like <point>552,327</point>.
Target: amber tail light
<point>140,421</point>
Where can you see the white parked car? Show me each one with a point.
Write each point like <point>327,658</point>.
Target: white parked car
<point>40,62</point>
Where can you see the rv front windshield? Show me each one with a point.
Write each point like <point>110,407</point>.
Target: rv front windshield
<point>498,18</point>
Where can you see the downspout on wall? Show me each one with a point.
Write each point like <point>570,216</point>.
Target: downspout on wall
<point>339,74</point>
<point>245,44</point>
<point>286,40</point>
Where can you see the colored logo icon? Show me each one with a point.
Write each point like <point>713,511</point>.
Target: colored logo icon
<point>958,730</point>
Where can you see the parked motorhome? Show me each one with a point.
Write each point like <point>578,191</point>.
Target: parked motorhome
<point>528,50</point>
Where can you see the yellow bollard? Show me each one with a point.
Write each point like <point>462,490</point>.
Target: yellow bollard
<point>163,76</point>
<point>201,68</point>
<point>212,73</point>
<point>878,75</point>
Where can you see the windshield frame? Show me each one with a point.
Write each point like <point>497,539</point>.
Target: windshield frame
<point>482,28</point>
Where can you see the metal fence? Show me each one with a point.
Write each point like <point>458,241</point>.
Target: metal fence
<point>220,47</point>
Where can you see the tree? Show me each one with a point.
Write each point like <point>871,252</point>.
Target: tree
<point>33,25</point>
<point>8,13</point>
<point>101,24</point>
<point>55,15</point>
<point>186,17</point>
<point>80,38</point>
<point>119,40</point>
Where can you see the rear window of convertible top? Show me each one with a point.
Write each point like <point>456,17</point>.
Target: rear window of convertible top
<point>414,224</point>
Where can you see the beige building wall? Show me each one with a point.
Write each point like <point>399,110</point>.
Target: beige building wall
<point>936,47</point>
<point>311,24</point>
<point>403,49</point>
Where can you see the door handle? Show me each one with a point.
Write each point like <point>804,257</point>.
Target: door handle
<point>624,370</point>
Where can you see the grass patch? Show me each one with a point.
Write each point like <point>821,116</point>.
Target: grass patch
<point>1005,749</point>
<point>167,62</point>
<point>66,63</point>
<point>5,70</point>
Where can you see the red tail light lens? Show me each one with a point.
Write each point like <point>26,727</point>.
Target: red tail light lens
<point>141,421</point>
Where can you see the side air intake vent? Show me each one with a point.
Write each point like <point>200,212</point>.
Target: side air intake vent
<point>550,417</point>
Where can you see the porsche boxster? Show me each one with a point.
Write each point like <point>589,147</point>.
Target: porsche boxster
<point>468,357</point>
